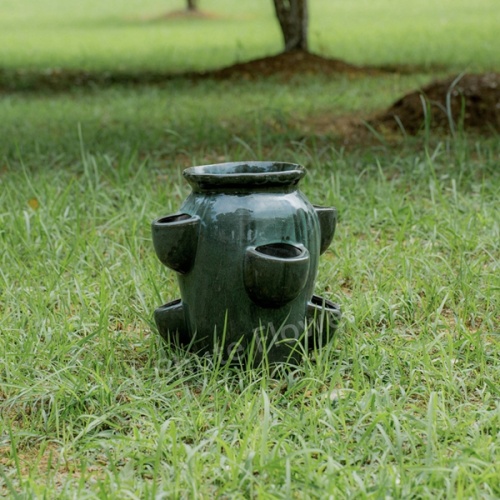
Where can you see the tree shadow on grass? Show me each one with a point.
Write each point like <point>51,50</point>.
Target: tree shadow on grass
<point>465,102</point>
<point>282,66</point>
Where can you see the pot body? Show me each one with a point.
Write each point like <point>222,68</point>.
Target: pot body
<point>253,242</point>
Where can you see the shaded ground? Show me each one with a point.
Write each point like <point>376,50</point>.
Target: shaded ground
<point>283,66</point>
<point>470,102</point>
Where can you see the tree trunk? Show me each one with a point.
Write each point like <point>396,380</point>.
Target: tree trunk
<point>293,18</point>
<point>192,5</point>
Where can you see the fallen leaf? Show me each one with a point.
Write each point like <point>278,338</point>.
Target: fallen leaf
<point>33,203</point>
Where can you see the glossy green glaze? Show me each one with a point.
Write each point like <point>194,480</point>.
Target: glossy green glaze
<point>245,244</point>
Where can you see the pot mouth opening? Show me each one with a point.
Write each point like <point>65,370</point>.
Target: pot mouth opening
<point>244,174</point>
<point>170,305</point>
<point>280,250</point>
<point>174,219</point>
<point>320,303</point>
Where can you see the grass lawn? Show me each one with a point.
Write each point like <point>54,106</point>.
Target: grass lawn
<point>130,35</point>
<point>404,402</point>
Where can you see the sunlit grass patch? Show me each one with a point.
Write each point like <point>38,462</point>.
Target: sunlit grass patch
<point>135,35</point>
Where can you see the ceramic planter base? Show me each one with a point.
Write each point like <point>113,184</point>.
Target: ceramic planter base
<point>245,245</point>
<point>321,321</point>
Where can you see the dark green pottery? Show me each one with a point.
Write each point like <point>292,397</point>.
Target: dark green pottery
<point>245,245</point>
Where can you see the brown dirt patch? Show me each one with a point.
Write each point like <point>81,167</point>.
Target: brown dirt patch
<point>470,102</point>
<point>184,14</point>
<point>44,461</point>
<point>288,64</point>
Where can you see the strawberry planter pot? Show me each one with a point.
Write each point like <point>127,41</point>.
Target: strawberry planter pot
<point>245,245</point>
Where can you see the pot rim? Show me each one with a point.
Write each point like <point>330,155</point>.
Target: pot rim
<point>244,174</point>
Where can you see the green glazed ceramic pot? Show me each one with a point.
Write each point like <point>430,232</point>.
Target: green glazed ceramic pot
<point>245,245</point>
